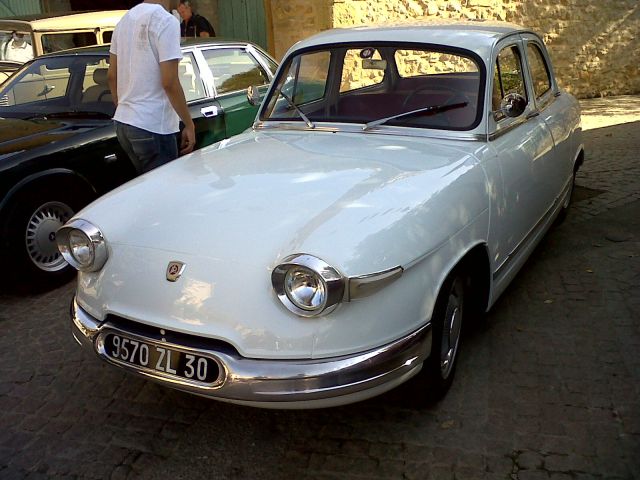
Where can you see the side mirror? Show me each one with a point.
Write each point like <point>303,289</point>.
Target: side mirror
<point>253,95</point>
<point>513,105</point>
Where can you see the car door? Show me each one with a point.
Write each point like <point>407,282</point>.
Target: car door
<point>205,110</point>
<point>554,111</point>
<point>522,147</point>
<point>233,69</point>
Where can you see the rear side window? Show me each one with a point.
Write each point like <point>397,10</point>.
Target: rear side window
<point>539,70</point>
<point>54,42</point>
<point>234,69</point>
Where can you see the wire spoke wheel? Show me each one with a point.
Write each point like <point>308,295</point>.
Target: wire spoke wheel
<point>40,235</point>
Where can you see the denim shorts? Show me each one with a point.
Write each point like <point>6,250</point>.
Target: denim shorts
<point>147,150</point>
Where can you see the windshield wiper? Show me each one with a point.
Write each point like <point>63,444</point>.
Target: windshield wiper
<point>432,108</point>
<point>309,123</point>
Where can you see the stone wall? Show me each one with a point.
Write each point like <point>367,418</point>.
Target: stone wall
<point>293,20</point>
<point>594,45</point>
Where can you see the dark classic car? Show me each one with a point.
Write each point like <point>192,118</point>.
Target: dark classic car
<point>58,149</point>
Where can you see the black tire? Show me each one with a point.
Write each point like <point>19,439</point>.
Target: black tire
<point>31,224</point>
<point>438,370</point>
<point>564,210</point>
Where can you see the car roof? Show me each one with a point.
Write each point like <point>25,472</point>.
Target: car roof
<point>477,36</point>
<point>62,21</point>
<point>185,43</point>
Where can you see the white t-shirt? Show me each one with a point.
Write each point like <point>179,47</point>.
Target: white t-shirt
<point>144,37</point>
<point>18,51</point>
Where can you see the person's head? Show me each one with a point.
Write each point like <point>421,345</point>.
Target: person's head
<point>18,38</point>
<point>185,10</point>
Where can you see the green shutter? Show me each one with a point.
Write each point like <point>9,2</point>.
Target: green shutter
<point>12,8</point>
<point>243,20</point>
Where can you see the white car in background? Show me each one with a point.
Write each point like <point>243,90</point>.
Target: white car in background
<point>393,184</point>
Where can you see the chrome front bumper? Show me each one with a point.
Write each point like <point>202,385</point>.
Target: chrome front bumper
<point>277,383</point>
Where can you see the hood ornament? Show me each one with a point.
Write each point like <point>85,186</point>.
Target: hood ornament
<point>174,270</point>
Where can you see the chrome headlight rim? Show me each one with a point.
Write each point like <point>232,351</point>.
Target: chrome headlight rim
<point>97,244</point>
<point>330,278</point>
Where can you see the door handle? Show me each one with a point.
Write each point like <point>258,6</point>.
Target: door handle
<point>209,111</point>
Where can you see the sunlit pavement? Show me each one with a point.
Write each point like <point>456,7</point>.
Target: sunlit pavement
<point>547,388</point>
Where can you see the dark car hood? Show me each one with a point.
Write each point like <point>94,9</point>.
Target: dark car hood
<point>18,135</point>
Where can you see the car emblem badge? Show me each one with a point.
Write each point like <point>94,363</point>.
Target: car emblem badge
<point>174,270</point>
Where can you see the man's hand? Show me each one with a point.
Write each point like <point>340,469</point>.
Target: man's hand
<point>187,139</point>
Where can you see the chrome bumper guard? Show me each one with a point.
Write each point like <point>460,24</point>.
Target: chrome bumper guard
<point>278,383</point>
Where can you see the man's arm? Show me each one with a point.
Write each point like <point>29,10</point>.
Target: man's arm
<point>112,76</point>
<point>173,89</point>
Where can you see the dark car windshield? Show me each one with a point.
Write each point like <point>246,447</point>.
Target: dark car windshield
<point>72,84</point>
<point>409,85</point>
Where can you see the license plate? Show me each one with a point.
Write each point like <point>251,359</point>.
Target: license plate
<point>159,358</point>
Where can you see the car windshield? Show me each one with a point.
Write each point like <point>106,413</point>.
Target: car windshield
<point>379,84</point>
<point>68,85</point>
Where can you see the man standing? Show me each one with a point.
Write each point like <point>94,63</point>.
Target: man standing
<point>193,25</point>
<point>143,77</point>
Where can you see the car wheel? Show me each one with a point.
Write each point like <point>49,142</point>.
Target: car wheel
<point>32,225</point>
<point>438,370</point>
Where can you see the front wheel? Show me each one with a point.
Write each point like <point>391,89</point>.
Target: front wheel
<point>31,228</point>
<point>438,370</point>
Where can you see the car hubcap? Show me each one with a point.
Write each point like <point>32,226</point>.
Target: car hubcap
<point>40,237</point>
<point>450,335</point>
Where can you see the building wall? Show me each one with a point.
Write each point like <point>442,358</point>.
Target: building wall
<point>594,45</point>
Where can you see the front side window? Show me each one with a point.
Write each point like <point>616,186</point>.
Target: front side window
<point>16,47</point>
<point>379,84</point>
<point>507,77</point>
<point>58,86</point>
<point>234,69</point>
<point>539,70</point>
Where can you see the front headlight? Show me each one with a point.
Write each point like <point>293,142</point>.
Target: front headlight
<point>82,245</point>
<point>307,286</point>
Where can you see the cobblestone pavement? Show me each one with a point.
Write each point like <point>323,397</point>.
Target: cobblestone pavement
<point>547,388</point>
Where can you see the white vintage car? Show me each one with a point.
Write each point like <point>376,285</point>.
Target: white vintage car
<point>394,181</point>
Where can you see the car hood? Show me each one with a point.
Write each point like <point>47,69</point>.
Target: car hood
<point>350,199</point>
<point>18,135</point>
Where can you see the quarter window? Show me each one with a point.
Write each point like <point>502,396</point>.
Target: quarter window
<point>539,70</point>
<point>507,76</point>
<point>234,69</point>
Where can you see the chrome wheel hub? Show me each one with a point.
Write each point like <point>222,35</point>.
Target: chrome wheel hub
<point>40,237</point>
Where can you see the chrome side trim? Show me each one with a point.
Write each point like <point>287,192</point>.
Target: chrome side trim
<point>507,129</point>
<point>365,285</point>
<point>283,383</point>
